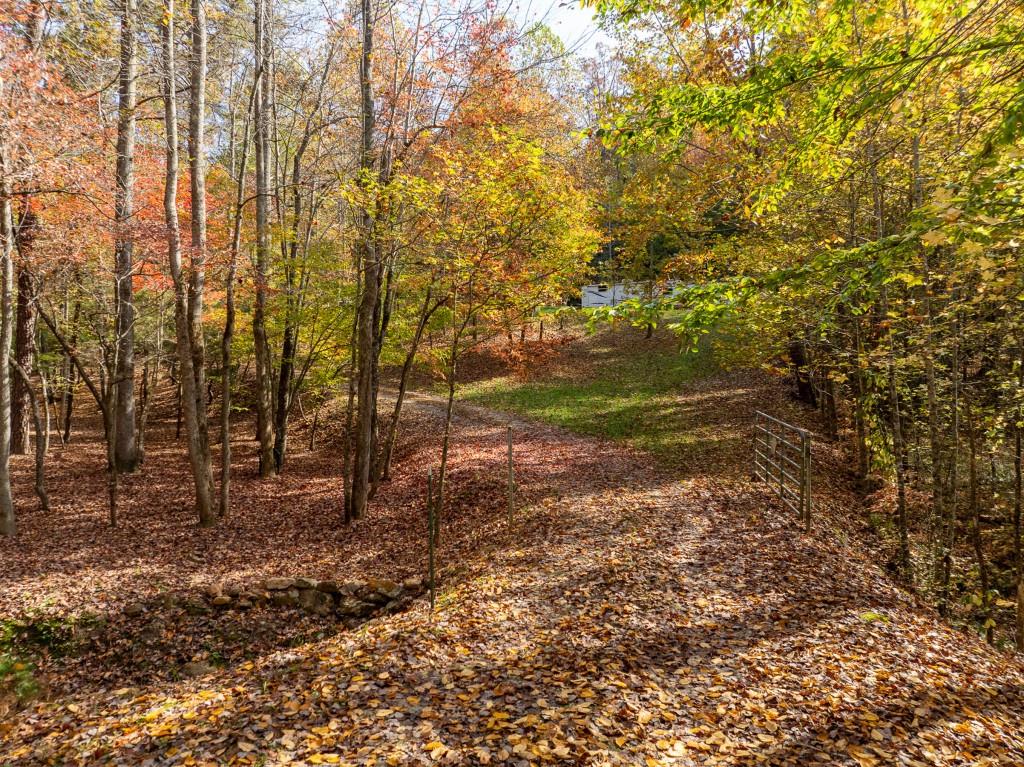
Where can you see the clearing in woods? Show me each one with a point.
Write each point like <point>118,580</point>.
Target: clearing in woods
<point>639,610</point>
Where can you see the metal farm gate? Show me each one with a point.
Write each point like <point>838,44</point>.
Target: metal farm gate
<point>782,459</point>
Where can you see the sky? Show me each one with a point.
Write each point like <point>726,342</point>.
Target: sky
<point>575,25</point>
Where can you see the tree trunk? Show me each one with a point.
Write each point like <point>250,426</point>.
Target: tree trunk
<point>8,524</point>
<point>24,355</point>
<point>143,407</point>
<point>1018,489</point>
<point>293,290</point>
<point>950,503</point>
<point>1018,486</point>
<point>264,403</point>
<point>113,473</point>
<point>72,370</point>
<point>40,477</point>
<point>202,467</point>
<point>347,444</point>
<point>801,376</point>
<point>229,318</point>
<point>900,459</point>
<point>192,398</point>
<point>975,506</point>
<point>369,265</point>
<point>286,373</point>
<point>442,475</point>
<point>403,382</point>
<point>126,454</point>
<point>860,409</point>
<point>48,423</point>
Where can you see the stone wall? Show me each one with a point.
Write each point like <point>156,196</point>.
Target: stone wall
<point>350,601</point>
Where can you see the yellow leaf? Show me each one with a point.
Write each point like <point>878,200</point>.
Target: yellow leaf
<point>644,717</point>
<point>934,237</point>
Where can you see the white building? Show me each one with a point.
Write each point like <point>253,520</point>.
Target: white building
<point>603,294</point>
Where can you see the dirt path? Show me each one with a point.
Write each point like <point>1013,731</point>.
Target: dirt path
<point>465,413</point>
<point>625,618</point>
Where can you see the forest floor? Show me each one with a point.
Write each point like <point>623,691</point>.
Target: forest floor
<point>637,611</point>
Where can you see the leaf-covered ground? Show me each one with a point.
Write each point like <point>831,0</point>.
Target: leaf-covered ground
<point>630,615</point>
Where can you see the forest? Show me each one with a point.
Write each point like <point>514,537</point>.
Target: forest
<point>840,189</point>
<point>314,451</point>
<point>331,166</point>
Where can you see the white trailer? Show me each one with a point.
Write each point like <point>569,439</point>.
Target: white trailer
<point>603,294</point>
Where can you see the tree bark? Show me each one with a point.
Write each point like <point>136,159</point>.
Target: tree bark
<point>192,398</point>
<point>126,454</point>
<point>202,469</point>
<point>403,381</point>
<point>8,524</point>
<point>900,459</point>
<point>72,370</point>
<point>1018,490</point>
<point>24,355</point>
<point>975,506</point>
<point>293,285</point>
<point>40,476</point>
<point>264,403</point>
<point>229,316</point>
<point>369,265</point>
<point>798,359</point>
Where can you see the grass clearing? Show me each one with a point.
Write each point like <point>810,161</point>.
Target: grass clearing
<point>615,384</point>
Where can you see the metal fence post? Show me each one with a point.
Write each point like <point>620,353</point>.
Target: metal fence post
<point>784,449</point>
<point>805,491</point>
<point>431,532</point>
<point>511,479</point>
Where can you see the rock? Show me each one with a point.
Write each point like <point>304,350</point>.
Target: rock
<point>243,603</point>
<point>135,609</point>
<point>233,589</point>
<point>351,588</point>
<point>279,584</point>
<point>169,601</point>
<point>152,630</point>
<point>384,587</point>
<point>328,587</point>
<point>415,583</point>
<point>195,607</point>
<point>222,601</point>
<point>317,602</point>
<point>214,590</point>
<point>398,605</point>
<point>305,583</point>
<point>287,598</point>
<point>355,608</point>
<point>193,669</point>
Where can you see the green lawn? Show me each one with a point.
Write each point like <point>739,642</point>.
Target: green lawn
<point>617,385</point>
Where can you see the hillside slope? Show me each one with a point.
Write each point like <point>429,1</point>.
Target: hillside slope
<point>627,617</point>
